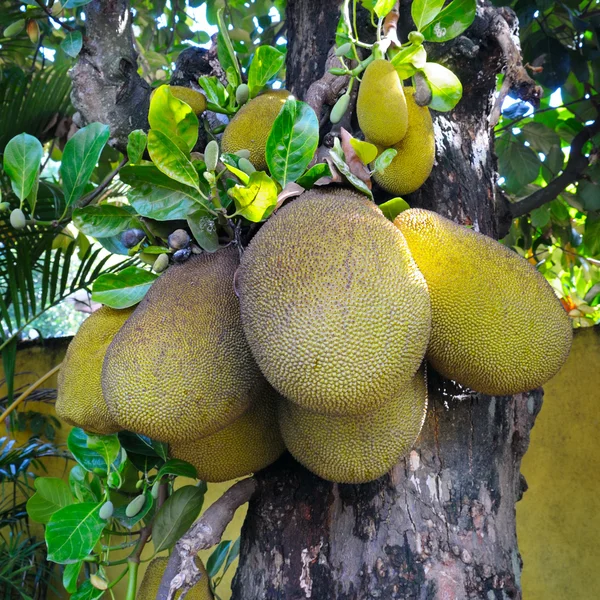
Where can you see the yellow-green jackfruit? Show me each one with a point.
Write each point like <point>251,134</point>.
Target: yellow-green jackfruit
<point>333,306</point>
<point>148,589</point>
<point>195,99</point>
<point>80,401</point>
<point>249,444</point>
<point>381,106</point>
<point>497,326</point>
<point>356,448</point>
<point>181,368</point>
<point>411,167</point>
<point>250,127</point>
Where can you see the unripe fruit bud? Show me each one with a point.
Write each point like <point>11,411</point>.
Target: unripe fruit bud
<point>17,219</point>
<point>106,511</point>
<point>211,155</point>
<point>155,487</point>
<point>338,71</point>
<point>343,49</point>
<point>134,507</point>
<point>98,582</point>
<point>132,237</point>
<point>210,177</point>
<point>33,31</point>
<point>147,258</point>
<point>243,153</point>
<point>245,165</point>
<point>181,255</point>
<point>242,94</point>
<point>139,484</point>
<point>161,263</point>
<point>14,29</point>
<point>416,37</point>
<point>179,239</point>
<point>56,9</point>
<point>340,108</point>
<point>4,206</point>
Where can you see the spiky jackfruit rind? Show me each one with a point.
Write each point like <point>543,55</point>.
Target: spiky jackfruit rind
<point>249,444</point>
<point>333,306</point>
<point>497,326</point>
<point>181,368</point>
<point>80,401</point>
<point>381,106</point>
<point>356,448</point>
<point>150,584</point>
<point>415,156</point>
<point>250,127</point>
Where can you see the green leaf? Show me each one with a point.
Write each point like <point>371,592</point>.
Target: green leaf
<point>366,151</point>
<point>171,116</point>
<point>267,62</point>
<point>80,486</point>
<point>292,142</point>
<point>540,137</point>
<point>123,289</point>
<point>168,156</point>
<point>424,11</point>
<point>177,467</point>
<point>540,217</point>
<point>73,531</point>
<point>215,90</point>
<point>89,459</point>
<point>87,592</point>
<point>553,164</point>
<point>51,495</point>
<point>79,159</point>
<point>176,516</point>
<point>156,196</point>
<point>204,229</point>
<point>142,444</point>
<point>517,163</point>
<point>392,208</point>
<point>256,200</point>
<point>234,552</point>
<point>22,160</point>
<point>588,194</point>
<point>107,446</point>
<point>313,175</point>
<point>217,558</point>
<point>104,220</point>
<point>383,7</point>
<point>226,53</point>
<point>446,88</point>
<point>72,43</point>
<point>70,576</point>
<point>136,144</point>
<point>384,160</point>
<point>455,18</point>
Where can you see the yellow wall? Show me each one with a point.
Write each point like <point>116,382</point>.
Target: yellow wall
<point>559,517</point>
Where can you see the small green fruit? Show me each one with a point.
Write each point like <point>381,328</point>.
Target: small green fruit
<point>98,582</point>
<point>4,206</point>
<point>245,165</point>
<point>339,109</point>
<point>161,263</point>
<point>155,489</point>
<point>243,153</point>
<point>14,29</point>
<point>416,37</point>
<point>343,49</point>
<point>17,219</point>
<point>211,155</point>
<point>106,511</point>
<point>242,94</point>
<point>134,507</point>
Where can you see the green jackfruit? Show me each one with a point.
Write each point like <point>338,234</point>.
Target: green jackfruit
<point>356,448</point>
<point>181,368</point>
<point>381,106</point>
<point>250,127</point>
<point>195,99</point>
<point>148,589</point>
<point>497,326</point>
<point>411,167</point>
<point>80,401</point>
<point>249,444</point>
<point>333,306</point>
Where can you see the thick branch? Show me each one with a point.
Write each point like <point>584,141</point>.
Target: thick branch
<point>182,572</point>
<point>576,165</point>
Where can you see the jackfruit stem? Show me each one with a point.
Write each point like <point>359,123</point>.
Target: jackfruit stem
<point>132,580</point>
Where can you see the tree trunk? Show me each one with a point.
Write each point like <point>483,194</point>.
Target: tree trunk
<point>441,524</point>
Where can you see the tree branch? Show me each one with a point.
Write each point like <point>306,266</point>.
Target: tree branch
<point>181,572</point>
<point>98,191</point>
<point>576,165</point>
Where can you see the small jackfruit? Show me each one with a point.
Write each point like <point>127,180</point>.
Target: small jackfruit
<point>249,444</point>
<point>250,127</point>
<point>80,401</point>
<point>195,99</point>
<point>411,167</point>
<point>181,368</point>
<point>356,448</point>
<point>381,106</point>
<point>497,326</point>
<point>333,306</point>
<point>148,589</point>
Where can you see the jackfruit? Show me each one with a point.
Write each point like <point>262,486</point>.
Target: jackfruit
<point>148,589</point>
<point>195,99</point>
<point>181,368</point>
<point>356,448</point>
<point>497,326</point>
<point>333,306</point>
<point>381,106</point>
<point>250,127</point>
<point>80,401</point>
<point>411,167</point>
<point>249,444</point>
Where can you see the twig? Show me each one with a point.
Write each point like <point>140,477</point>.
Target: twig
<point>181,572</point>
<point>538,112</point>
<point>102,186</point>
<point>49,13</point>
<point>576,165</point>
<point>516,78</point>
